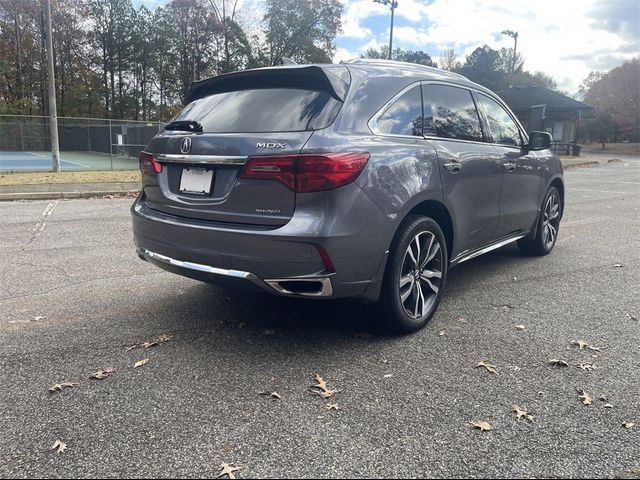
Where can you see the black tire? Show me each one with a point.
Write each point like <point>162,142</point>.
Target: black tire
<point>547,227</point>
<point>425,289</point>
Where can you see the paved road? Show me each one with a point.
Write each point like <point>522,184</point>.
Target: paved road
<point>74,297</point>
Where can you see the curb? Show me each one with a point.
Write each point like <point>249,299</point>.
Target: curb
<point>8,197</point>
<point>582,164</point>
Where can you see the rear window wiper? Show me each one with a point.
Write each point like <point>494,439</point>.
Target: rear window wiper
<point>184,126</point>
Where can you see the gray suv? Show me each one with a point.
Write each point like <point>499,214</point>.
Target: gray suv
<point>368,179</point>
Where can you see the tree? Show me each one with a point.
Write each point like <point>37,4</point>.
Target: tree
<point>449,60</point>
<point>616,97</point>
<point>409,56</point>
<point>303,30</point>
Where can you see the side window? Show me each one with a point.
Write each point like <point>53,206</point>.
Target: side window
<point>450,112</point>
<point>501,126</point>
<point>404,116</point>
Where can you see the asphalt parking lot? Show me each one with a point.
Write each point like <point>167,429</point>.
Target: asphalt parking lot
<point>74,298</point>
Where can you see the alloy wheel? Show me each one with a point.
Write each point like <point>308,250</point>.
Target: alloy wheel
<point>551,221</point>
<point>421,274</point>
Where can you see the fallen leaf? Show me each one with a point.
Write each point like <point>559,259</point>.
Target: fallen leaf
<point>481,425</point>
<point>608,405</point>
<point>152,343</point>
<point>582,345</point>
<point>59,447</point>
<point>269,332</point>
<point>142,362</point>
<point>558,363</point>
<point>462,320</point>
<point>388,375</point>
<point>384,360</point>
<point>631,317</point>
<point>585,398</point>
<point>442,333</point>
<point>228,470</point>
<point>103,373</point>
<point>321,388</point>
<point>273,395</point>
<point>587,366</point>
<point>618,265</point>
<point>603,398</point>
<point>157,341</point>
<point>58,387</point>
<point>628,425</point>
<point>332,406</point>
<point>490,368</point>
<point>38,318</point>
<point>521,413</point>
<point>520,327</point>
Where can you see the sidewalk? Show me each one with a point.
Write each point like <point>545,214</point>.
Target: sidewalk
<point>49,191</point>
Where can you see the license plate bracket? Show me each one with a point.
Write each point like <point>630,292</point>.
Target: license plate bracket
<point>196,181</point>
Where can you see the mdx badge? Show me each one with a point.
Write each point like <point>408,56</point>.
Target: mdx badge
<point>185,145</point>
<point>271,145</point>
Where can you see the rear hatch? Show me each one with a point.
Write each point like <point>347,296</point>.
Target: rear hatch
<point>199,159</point>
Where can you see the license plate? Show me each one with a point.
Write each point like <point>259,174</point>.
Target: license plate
<point>196,180</point>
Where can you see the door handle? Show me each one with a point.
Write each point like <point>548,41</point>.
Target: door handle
<point>453,166</point>
<point>509,166</point>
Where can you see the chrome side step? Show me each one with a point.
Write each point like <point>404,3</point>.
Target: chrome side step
<point>468,255</point>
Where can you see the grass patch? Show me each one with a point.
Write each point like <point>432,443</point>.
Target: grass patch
<point>37,178</point>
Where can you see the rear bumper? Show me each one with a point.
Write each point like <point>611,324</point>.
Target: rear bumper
<point>282,261</point>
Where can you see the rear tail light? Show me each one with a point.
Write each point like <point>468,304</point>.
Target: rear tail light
<point>148,164</point>
<point>307,172</point>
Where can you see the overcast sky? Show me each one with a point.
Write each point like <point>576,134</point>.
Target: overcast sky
<point>564,38</point>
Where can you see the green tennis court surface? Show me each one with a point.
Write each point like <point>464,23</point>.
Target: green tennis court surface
<point>81,161</point>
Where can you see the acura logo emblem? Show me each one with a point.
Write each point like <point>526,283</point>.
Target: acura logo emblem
<point>185,145</point>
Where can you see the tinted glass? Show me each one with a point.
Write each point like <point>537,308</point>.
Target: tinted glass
<point>404,117</point>
<point>263,110</point>
<point>451,113</point>
<point>501,126</point>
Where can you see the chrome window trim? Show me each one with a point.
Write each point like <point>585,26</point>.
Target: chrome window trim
<point>204,159</point>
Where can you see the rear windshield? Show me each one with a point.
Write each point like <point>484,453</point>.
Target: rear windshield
<point>263,110</point>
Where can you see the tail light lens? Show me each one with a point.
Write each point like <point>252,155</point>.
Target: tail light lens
<point>148,164</point>
<point>307,172</point>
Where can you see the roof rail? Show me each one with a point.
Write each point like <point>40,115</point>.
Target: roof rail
<point>380,61</point>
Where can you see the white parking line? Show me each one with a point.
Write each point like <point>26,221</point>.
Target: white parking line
<point>37,230</point>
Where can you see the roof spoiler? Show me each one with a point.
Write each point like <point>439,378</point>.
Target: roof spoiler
<point>290,76</point>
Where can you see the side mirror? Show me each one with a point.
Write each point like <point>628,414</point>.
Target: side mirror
<point>539,140</point>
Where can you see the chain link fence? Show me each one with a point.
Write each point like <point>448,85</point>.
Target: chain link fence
<point>85,143</point>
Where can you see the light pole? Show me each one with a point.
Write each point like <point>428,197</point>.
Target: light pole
<point>53,114</point>
<point>394,5</point>
<point>513,35</point>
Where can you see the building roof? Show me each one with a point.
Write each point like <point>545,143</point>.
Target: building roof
<point>522,98</point>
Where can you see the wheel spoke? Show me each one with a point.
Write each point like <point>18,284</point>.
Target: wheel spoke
<point>417,242</point>
<point>433,252</point>
<point>408,278</point>
<point>405,295</point>
<point>427,274</point>
<point>418,293</point>
<point>433,287</point>
<point>553,232</point>
<point>428,254</point>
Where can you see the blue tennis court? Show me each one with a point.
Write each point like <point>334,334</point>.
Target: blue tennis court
<point>18,161</point>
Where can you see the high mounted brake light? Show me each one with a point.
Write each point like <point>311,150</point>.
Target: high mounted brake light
<point>313,172</point>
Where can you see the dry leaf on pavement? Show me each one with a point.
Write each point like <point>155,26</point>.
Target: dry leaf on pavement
<point>481,425</point>
<point>273,395</point>
<point>520,327</point>
<point>582,345</point>
<point>589,367</point>
<point>628,425</point>
<point>521,413</point>
<point>554,362</point>
<point>490,368</point>
<point>58,387</point>
<point>142,362</point>
<point>228,470</point>
<point>332,406</point>
<point>321,388</point>
<point>585,398</point>
<point>152,343</point>
<point>103,373</point>
<point>59,447</point>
